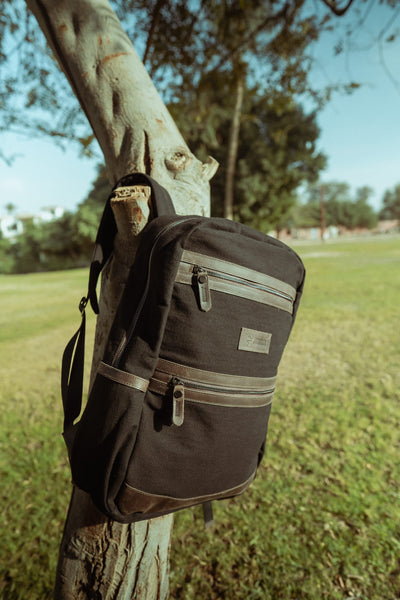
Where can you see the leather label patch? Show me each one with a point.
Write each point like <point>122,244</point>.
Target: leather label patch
<point>252,340</point>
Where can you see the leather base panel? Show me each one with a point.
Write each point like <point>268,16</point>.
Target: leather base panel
<point>131,500</point>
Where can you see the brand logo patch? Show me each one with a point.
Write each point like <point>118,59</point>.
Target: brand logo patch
<point>252,340</point>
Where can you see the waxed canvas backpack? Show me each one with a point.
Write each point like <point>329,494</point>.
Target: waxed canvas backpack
<point>179,408</point>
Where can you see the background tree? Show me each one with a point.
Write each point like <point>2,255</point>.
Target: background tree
<point>64,243</point>
<point>364,215</point>
<point>6,260</point>
<point>259,42</point>
<point>391,204</point>
<point>235,45</point>
<point>341,209</point>
<point>276,150</point>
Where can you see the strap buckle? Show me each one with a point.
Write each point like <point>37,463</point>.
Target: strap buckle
<point>82,304</point>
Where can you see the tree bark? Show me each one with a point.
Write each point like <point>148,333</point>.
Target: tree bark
<point>100,558</point>
<point>233,146</point>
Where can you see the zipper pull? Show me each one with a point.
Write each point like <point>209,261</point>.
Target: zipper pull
<point>178,402</point>
<point>203,288</point>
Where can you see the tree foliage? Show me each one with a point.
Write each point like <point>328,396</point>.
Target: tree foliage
<point>180,42</point>
<point>277,148</point>
<point>233,47</point>
<point>35,97</point>
<point>340,208</point>
<point>64,243</point>
<point>391,204</point>
<point>200,53</point>
<point>197,53</point>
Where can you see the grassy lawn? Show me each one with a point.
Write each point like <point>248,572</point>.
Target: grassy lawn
<point>322,520</point>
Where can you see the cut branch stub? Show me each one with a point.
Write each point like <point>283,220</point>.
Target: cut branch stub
<point>131,208</point>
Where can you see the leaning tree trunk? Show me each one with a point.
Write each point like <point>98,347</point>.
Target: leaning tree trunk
<point>100,558</point>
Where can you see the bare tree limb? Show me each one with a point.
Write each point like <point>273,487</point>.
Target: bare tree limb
<point>339,12</point>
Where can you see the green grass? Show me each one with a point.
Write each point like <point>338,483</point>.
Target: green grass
<point>38,314</point>
<point>322,520</point>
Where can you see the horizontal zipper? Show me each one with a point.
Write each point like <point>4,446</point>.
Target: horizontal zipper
<point>209,273</point>
<point>206,387</point>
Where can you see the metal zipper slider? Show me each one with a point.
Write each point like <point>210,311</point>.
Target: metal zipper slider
<point>201,278</point>
<point>178,402</point>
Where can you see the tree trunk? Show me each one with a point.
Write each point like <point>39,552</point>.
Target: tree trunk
<point>233,145</point>
<point>100,558</point>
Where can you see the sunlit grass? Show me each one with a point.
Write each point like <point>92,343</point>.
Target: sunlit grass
<point>322,520</point>
<point>323,517</point>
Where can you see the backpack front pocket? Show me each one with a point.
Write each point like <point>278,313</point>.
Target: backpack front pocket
<point>201,444</point>
<point>207,273</point>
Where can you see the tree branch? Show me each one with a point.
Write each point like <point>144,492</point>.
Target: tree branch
<point>339,12</point>
<point>269,20</point>
<point>154,22</point>
<point>120,100</point>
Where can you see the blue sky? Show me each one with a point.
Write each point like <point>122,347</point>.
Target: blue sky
<point>360,133</point>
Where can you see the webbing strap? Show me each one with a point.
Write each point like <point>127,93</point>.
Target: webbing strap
<point>72,371</point>
<point>74,354</point>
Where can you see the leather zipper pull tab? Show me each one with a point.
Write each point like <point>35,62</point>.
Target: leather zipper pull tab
<point>203,288</point>
<point>178,402</point>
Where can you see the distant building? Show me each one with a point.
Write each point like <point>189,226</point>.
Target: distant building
<point>50,213</point>
<point>333,232</point>
<point>388,226</point>
<point>11,226</point>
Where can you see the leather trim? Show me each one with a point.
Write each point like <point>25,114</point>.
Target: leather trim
<point>229,268</point>
<point>234,391</point>
<point>234,288</point>
<point>123,377</point>
<point>131,500</point>
<point>213,378</point>
<point>228,399</point>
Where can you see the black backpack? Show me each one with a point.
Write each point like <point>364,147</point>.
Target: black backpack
<point>179,408</point>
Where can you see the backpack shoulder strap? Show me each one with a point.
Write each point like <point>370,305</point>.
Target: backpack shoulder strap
<point>161,204</point>
<point>73,357</point>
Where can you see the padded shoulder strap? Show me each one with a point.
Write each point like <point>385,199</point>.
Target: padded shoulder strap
<point>73,357</point>
<point>161,205</point>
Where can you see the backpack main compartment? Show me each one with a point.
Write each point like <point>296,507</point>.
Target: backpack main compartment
<point>178,412</point>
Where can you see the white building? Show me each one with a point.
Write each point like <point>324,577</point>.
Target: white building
<point>11,226</point>
<point>50,213</point>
